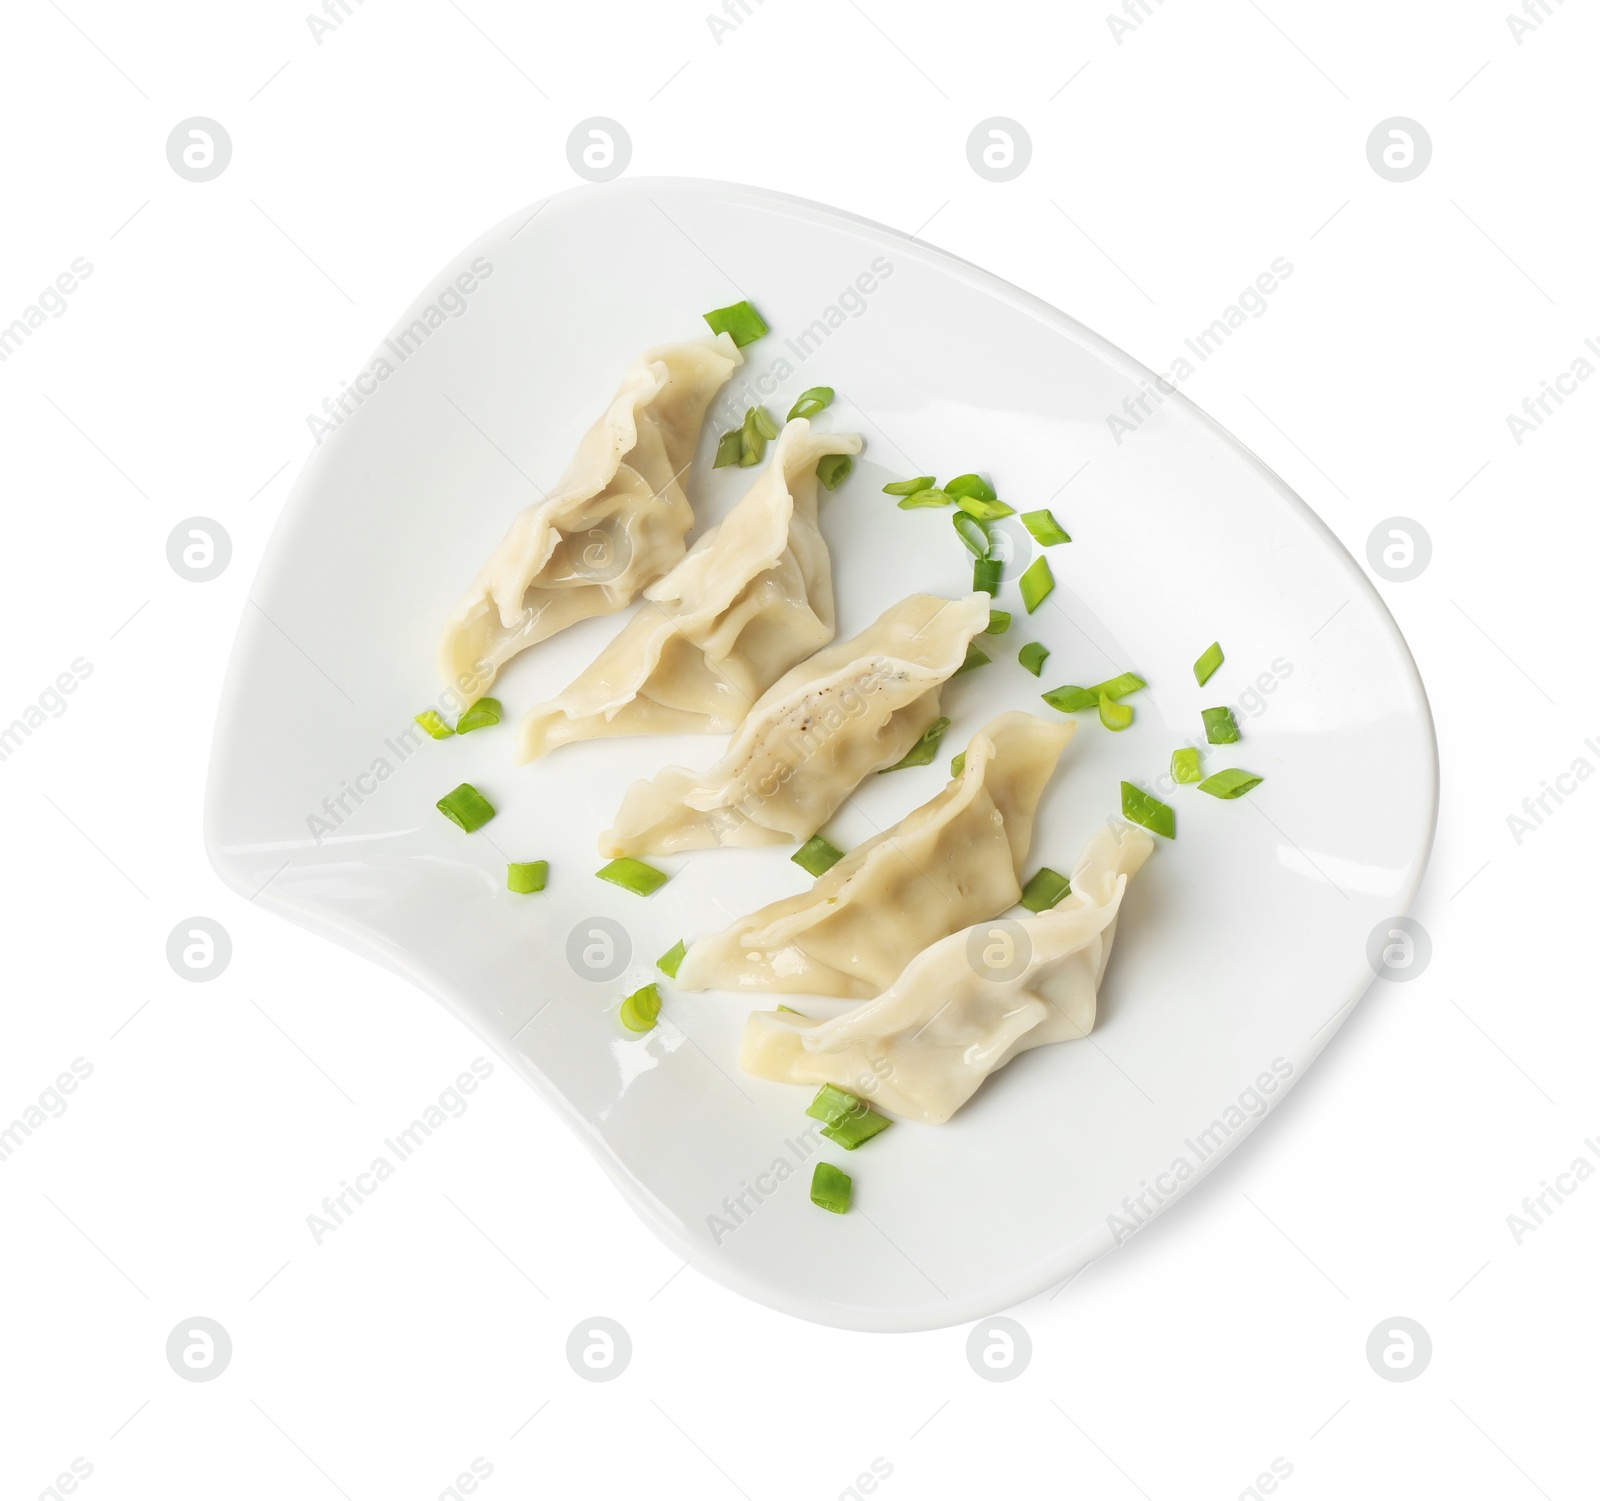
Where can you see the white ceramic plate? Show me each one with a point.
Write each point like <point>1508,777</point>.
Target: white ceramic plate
<point>1242,945</point>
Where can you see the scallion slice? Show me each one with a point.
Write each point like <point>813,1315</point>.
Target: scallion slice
<point>972,486</point>
<point>830,1188</point>
<point>1229,784</point>
<point>809,403</point>
<point>925,749</point>
<point>640,1010</point>
<point>983,510</point>
<point>833,469</point>
<point>430,721</point>
<point>973,537</point>
<point>527,876</point>
<point>1036,584</point>
<point>752,441</point>
<point>860,1125</point>
<point>1120,686</point>
<point>986,575</point>
<point>634,876</point>
<point>762,419</point>
<point>1115,716</point>
<point>1150,813</point>
<point>1044,528</point>
<point>730,448</point>
<point>1070,699</point>
<point>1186,764</point>
<point>480,716</point>
<point>830,1104</point>
<point>921,499</point>
<point>910,486</point>
<point>816,856</point>
<point>1209,661</point>
<point>976,657</point>
<point>466,807</point>
<point>999,623</point>
<point>958,763</point>
<point>668,963</point>
<point>741,322</point>
<point>1221,727</point>
<point>1032,656</point>
<point>1044,888</point>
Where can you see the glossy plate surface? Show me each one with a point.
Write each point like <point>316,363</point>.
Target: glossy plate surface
<point>1242,945</point>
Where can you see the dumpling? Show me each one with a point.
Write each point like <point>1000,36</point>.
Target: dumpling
<point>969,1004</point>
<point>854,707</point>
<point>614,522</point>
<point>753,597</point>
<point>951,862</point>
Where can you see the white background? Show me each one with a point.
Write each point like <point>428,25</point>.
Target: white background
<point>1214,138</point>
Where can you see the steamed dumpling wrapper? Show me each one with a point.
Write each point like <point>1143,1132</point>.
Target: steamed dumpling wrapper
<point>958,1012</point>
<point>614,522</point>
<point>852,709</point>
<point>753,597</point>
<point>955,860</point>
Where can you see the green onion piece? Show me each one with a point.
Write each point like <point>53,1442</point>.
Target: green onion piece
<point>791,1010</point>
<point>1140,808</point>
<point>466,807</point>
<point>1045,887</point>
<point>925,749</point>
<point>1044,528</point>
<point>1036,584</point>
<point>1120,686</point>
<point>1221,727</point>
<point>668,963</point>
<point>809,403</point>
<point>862,1125</point>
<point>833,469</point>
<point>973,537</point>
<point>975,657</point>
<point>981,509</point>
<point>986,575</point>
<point>1229,784</point>
<point>1069,699</point>
<point>920,499</point>
<point>1032,656</point>
<point>527,876</point>
<point>741,322</point>
<point>910,486</point>
<point>1210,660</point>
<point>1186,764</point>
<point>435,726</point>
<point>958,763</point>
<point>482,714</point>
<point>752,441</point>
<point>730,448</point>
<point>634,876</point>
<point>831,1104</point>
<point>764,424</point>
<point>816,856</point>
<point>830,1188</point>
<point>999,623</point>
<point>640,1010</point>
<point>973,487</point>
<point>1115,716</point>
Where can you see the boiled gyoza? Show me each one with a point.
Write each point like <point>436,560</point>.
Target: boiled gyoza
<point>753,597</point>
<point>969,1004</point>
<point>951,862</point>
<point>614,522</point>
<point>852,709</point>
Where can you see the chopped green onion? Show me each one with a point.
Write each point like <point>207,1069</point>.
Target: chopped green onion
<point>958,763</point>
<point>831,1104</point>
<point>973,537</point>
<point>730,448</point>
<point>634,876</point>
<point>833,469</point>
<point>791,1010</point>
<point>1036,584</point>
<point>527,876</point>
<point>1120,686</point>
<point>860,1125</point>
<point>752,440</point>
<point>809,403</point>
<point>1115,716</point>
<point>482,714</point>
<point>466,807</point>
<point>999,623</point>
<point>983,510</point>
<point>921,499</point>
<point>1140,808</point>
<point>1045,887</point>
<point>640,1010</point>
<point>762,419</point>
<point>1044,528</point>
<point>435,726</point>
<point>974,487</point>
<point>668,963</point>
<point>910,486</point>
<point>926,747</point>
<point>1210,660</point>
<point>830,1188</point>
<point>1229,784</point>
<point>1221,727</point>
<point>741,322</point>
<point>1032,656</point>
<point>1186,764</point>
<point>986,575</point>
<point>976,657</point>
<point>1069,699</point>
<point>816,856</point>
